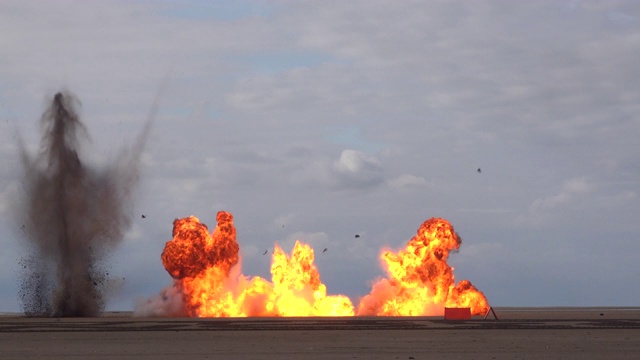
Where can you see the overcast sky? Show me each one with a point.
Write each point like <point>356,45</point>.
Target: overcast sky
<point>319,120</point>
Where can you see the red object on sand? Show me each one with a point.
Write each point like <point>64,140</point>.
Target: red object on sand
<point>457,313</point>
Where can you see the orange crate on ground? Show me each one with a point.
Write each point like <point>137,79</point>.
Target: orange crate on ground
<point>457,313</point>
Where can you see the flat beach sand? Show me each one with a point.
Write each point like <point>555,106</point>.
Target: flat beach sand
<point>518,333</point>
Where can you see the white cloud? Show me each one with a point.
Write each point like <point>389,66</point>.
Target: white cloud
<point>407,180</point>
<point>352,170</point>
<point>355,169</point>
<point>353,162</point>
<point>543,209</point>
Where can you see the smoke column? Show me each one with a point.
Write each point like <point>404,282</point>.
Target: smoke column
<point>73,215</point>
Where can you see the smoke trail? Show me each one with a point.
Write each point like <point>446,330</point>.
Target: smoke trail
<point>73,215</point>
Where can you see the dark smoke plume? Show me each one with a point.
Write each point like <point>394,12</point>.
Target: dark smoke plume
<point>74,215</point>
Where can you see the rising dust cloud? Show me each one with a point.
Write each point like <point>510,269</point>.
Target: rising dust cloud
<point>72,215</point>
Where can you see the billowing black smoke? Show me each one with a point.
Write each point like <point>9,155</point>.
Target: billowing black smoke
<point>74,215</point>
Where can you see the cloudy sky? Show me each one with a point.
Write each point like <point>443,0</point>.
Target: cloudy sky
<point>319,120</point>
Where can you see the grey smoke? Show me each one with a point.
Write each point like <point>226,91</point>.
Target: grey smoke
<point>168,303</point>
<point>73,215</point>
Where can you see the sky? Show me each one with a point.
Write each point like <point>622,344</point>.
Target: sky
<point>319,120</point>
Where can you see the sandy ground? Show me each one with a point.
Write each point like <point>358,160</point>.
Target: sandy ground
<point>519,333</point>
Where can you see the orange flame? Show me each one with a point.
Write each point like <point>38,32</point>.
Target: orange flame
<point>202,264</point>
<point>193,250</point>
<point>298,290</point>
<point>421,282</point>
<point>206,272</point>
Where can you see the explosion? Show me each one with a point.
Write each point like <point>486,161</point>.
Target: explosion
<point>421,281</point>
<point>201,265</point>
<point>205,268</point>
<point>193,250</point>
<point>73,215</point>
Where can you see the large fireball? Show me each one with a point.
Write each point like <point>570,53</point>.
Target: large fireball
<point>420,280</point>
<point>206,270</point>
<point>202,263</point>
<point>193,249</point>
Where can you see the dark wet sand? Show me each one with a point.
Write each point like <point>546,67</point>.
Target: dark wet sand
<point>520,333</point>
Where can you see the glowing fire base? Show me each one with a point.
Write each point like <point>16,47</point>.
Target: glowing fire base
<point>419,282</point>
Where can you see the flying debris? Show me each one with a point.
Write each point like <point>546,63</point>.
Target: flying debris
<point>265,252</point>
<point>479,170</point>
<point>357,236</point>
<point>74,215</point>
